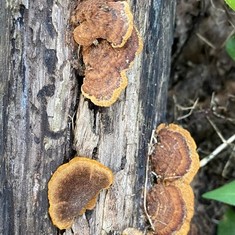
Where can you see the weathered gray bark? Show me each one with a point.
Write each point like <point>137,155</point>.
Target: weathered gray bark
<point>39,91</point>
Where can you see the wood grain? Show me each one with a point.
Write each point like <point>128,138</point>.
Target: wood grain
<point>39,91</point>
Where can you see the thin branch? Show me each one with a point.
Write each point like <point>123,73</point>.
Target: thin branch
<point>150,150</point>
<point>216,8</point>
<point>214,107</point>
<point>191,108</point>
<point>206,41</point>
<point>229,36</point>
<point>221,147</point>
<point>216,130</point>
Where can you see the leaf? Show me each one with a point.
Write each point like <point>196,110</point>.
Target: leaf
<point>231,3</point>
<point>227,226</point>
<point>224,194</point>
<point>230,46</point>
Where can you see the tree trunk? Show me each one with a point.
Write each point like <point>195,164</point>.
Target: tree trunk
<point>41,102</point>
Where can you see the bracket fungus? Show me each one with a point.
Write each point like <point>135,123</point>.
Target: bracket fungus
<point>110,42</point>
<point>171,208</point>
<point>170,203</point>
<point>74,188</point>
<point>110,20</point>
<point>105,73</point>
<point>174,154</point>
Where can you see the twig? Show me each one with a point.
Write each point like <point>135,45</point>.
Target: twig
<point>191,108</point>
<point>216,8</point>
<point>153,140</point>
<point>214,107</point>
<point>216,130</point>
<point>150,150</point>
<point>206,41</point>
<point>229,36</point>
<point>221,147</point>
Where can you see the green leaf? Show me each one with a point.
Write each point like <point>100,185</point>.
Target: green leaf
<point>230,46</point>
<point>231,3</point>
<point>227,226</point>
<point>224,194</point>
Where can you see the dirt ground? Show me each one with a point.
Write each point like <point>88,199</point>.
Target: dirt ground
<point>202,97</point>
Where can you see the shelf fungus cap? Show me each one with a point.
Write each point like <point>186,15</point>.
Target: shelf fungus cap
<point>74,187</point>
<point>170,203</point>
<point>108,20</point>
<point>174,155</point>
<point>105,73</point>
<point>171,208</point>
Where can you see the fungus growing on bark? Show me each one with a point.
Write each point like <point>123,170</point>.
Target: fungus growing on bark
<point>74,187</point>
<point>105,73</point>
<point>110,20</point>
<point>170,203</point>
<point>171,208</point>
<point>174,154</point>
<point>110,43</point>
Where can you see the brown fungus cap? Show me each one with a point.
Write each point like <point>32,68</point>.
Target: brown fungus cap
<point>175,154</point>
<point>170,203</point>
<point>74,187</point>
<point>110,20</point>
<point>105,73</point>
<point>171,208</point>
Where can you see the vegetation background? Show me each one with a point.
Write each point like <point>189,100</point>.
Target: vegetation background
<point>202,97</point>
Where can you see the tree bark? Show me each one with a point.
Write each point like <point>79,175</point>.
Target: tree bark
<point>44,117</point>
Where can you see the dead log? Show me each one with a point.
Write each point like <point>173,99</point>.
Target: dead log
<point>39,96</point>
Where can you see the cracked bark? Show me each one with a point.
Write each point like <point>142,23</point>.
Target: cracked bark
<point>39,91</point>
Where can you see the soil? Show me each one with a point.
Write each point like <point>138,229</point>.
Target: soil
<point>202,97</point>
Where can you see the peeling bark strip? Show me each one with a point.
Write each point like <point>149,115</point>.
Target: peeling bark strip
<point>38,92</point>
